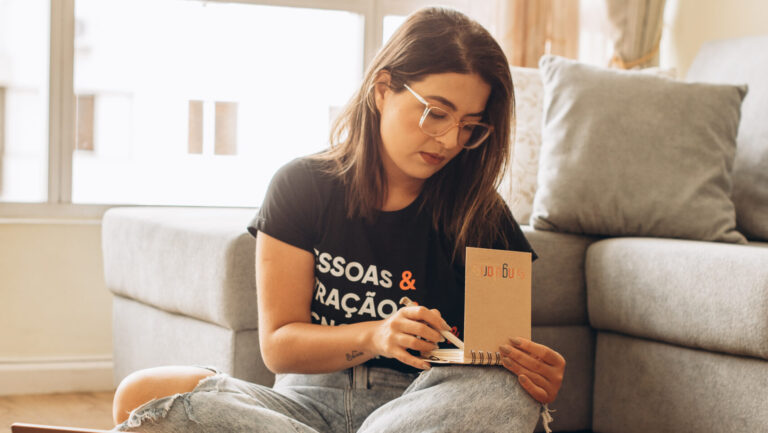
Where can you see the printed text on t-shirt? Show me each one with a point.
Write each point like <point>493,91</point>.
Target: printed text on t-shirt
<point>352,271</point>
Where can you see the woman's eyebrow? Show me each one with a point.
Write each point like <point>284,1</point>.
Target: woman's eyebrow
<point>450,105</point>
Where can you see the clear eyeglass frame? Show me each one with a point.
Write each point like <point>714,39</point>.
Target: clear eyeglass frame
<point>470,143</point>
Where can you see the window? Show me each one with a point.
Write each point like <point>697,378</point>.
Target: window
<point>23,100</point>
<point>174,102</point>
<point>391,23</point>
<point>205,113</point>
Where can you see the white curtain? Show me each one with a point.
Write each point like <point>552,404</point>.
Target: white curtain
<point>635,29</point>
<point>532,28</point>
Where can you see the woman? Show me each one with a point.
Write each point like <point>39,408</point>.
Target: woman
<point>386,211</point>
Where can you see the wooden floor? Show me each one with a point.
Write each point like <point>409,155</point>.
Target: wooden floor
<point>88,409</point>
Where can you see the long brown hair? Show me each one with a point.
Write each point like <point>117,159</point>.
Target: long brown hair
<point>463,198</point>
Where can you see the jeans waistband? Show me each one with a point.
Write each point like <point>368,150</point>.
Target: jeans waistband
<point>359,377</point>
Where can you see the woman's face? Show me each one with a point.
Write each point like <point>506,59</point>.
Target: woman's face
<point>410,156</point>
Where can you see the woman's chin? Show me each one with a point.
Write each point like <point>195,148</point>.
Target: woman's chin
<point>424,173</point>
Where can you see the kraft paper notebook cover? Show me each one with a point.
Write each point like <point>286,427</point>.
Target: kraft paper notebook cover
<point>497,306</point>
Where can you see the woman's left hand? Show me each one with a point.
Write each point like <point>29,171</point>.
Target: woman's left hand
<point>539,369</point>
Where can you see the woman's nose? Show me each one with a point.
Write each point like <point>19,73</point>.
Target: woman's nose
<point>450,139</point>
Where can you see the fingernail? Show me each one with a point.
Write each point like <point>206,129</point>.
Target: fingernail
<point>426,366</point>
<point>516,341</point>
<point>504,349</point>
<point>442,339</point>
<point>446,326</point>
<point>523,378</point>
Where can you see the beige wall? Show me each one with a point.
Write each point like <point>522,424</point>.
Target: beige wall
<point>689,23</point>
<point>54,302</point>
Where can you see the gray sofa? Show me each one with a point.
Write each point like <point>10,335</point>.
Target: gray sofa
<point>659,334</point>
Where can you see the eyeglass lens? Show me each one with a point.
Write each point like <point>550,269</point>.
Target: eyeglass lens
<point>437,122</point>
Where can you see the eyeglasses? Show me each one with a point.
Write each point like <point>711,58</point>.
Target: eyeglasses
<point>435,122</point>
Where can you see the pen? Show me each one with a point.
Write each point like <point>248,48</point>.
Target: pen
<point>448,336</point>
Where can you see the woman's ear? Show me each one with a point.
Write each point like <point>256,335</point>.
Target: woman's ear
<point>381,88</point>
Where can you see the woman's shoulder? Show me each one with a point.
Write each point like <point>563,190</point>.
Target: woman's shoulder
<point>308,166</point>
<point>295,202</point>
<point>304,171</point>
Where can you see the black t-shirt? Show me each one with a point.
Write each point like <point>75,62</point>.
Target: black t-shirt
<point>362,270</point>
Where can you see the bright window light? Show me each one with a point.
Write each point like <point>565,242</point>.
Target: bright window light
<point>391,23</point>
<point>24,52</point>
<point>199,103</point>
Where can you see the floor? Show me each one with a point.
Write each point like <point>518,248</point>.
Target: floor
<point>87,409</point>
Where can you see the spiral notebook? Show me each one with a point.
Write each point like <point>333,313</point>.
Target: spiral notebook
<point>497,306</point>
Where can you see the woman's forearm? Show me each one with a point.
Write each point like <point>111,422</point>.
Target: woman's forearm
<point>300,347</point>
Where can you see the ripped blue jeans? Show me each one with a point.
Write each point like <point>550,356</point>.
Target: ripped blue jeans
<point>359,399</point>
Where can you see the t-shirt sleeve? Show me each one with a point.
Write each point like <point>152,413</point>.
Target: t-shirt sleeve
<point>511,231</point>
<point>291,207</point>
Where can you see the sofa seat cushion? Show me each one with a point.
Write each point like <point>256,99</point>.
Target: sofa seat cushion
<point>197,262</point>
<point>559,288</point>
<point>706,295</point>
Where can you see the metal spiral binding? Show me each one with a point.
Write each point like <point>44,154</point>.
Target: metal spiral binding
<point>485,358</point>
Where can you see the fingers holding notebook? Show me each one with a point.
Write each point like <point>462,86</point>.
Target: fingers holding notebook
<point>539,368</point>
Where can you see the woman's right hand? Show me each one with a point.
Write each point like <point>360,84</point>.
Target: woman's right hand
<point>412,327</point>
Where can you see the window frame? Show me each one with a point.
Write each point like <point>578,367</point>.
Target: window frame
<point>62,100</point>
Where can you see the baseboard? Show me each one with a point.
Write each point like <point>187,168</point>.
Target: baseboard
<point>47,375</point>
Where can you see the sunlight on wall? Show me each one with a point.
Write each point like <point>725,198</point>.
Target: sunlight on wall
<point>690,23</point>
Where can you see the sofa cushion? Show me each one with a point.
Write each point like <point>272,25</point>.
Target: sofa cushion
<point>149,337</point>
<point>559,287</point>
<point>198,262</point>
<point>644,386</point>
<point>518,186</point>
<point>735,61</point>
<point>630,154</point>
<point>696,294</point>
<point>573,406</point>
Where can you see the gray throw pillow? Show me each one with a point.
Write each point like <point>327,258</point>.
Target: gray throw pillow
<point>631,154</point>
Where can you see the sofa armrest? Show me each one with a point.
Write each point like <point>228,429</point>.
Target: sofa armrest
<point>198,262</point>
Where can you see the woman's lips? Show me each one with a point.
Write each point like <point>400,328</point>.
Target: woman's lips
<point>432,158</point>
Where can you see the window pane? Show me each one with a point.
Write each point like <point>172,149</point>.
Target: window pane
<point>24,55</point>
<point>199,103</point>
<point>391,23</point>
